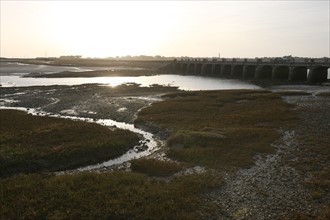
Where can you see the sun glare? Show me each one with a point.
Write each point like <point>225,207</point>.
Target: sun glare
<point>168,28</point>
<point>110,28</point>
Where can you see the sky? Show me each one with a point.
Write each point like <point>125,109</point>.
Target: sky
<point>167,28</point>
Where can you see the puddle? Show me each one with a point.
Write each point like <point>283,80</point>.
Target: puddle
<point>69,112</point>
<point>122,109</point>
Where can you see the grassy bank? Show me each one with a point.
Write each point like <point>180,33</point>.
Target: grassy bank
<point>155,167</point>
<point>219,129</point>
<point>222,130</point>
<point>314,152</point>
<point>104,196</point>
<point>34,144</point>
<point>324,94</point>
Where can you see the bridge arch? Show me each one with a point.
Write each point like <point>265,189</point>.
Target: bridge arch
<point>207,69</point>
<point>216,69</point>
<point>264,72</point>
<point>249,72</point>
<point>281,72</point>
<point>237,71</point>
<point>191,68</point>
<point>184,67</point>
<point>298,73</point>
<point>226,70</point>
<point>198,68</point>
<point>318,74</point>
<point>177,67</point>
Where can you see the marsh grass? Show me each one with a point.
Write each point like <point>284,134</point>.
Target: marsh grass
<point>324,94</point>
<point>312,156</point>
<point>118,195</point>
<point>39,144</point>
<point>324,215</point>
<point>315,153</point>
<point>155,167</point>
<point>34,144</point>
<point>219,129</point>
<point>313,159</point>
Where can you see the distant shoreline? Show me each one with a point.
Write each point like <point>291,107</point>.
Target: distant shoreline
<point>91,62</point>
<point>97,73</point>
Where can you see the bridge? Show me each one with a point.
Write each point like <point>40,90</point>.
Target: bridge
<point>310,70</point>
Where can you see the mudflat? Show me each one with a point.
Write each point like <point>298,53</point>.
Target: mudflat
<point>119,103</point>
<point>240,154</point>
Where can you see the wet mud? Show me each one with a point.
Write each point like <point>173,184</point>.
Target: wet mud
<point>95,101</point>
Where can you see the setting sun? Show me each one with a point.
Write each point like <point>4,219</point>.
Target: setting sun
<point>167,28</point>
<point>110,28</point>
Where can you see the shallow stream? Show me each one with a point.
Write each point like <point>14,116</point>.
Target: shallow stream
<point>146,146</point>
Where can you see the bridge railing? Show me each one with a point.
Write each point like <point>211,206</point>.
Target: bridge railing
<point>265,61</point>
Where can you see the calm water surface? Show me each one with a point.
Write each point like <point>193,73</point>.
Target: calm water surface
<point>183,82</point>
<point>11,76</point>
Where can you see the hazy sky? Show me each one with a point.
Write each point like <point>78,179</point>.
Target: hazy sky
<point>167,28</point>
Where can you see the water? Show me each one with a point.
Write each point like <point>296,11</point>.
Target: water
<point>136,152</point>
<point>183,82</point>
<point>11,76</point>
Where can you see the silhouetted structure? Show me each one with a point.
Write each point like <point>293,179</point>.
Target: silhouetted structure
<point>311,70</point>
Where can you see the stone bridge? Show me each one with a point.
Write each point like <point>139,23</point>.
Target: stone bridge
<point>311,70</point>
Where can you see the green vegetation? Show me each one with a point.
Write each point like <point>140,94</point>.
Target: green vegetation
<point>40,144</point>
<point>314,160</point>
<point>324,94</point>
<point>154,167</point>
<point>219,129</point>
<point>312,155</point>
<point>324,215</point>
<point>318,155</point>
<point>105,196</point>
<point>34,144</point>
